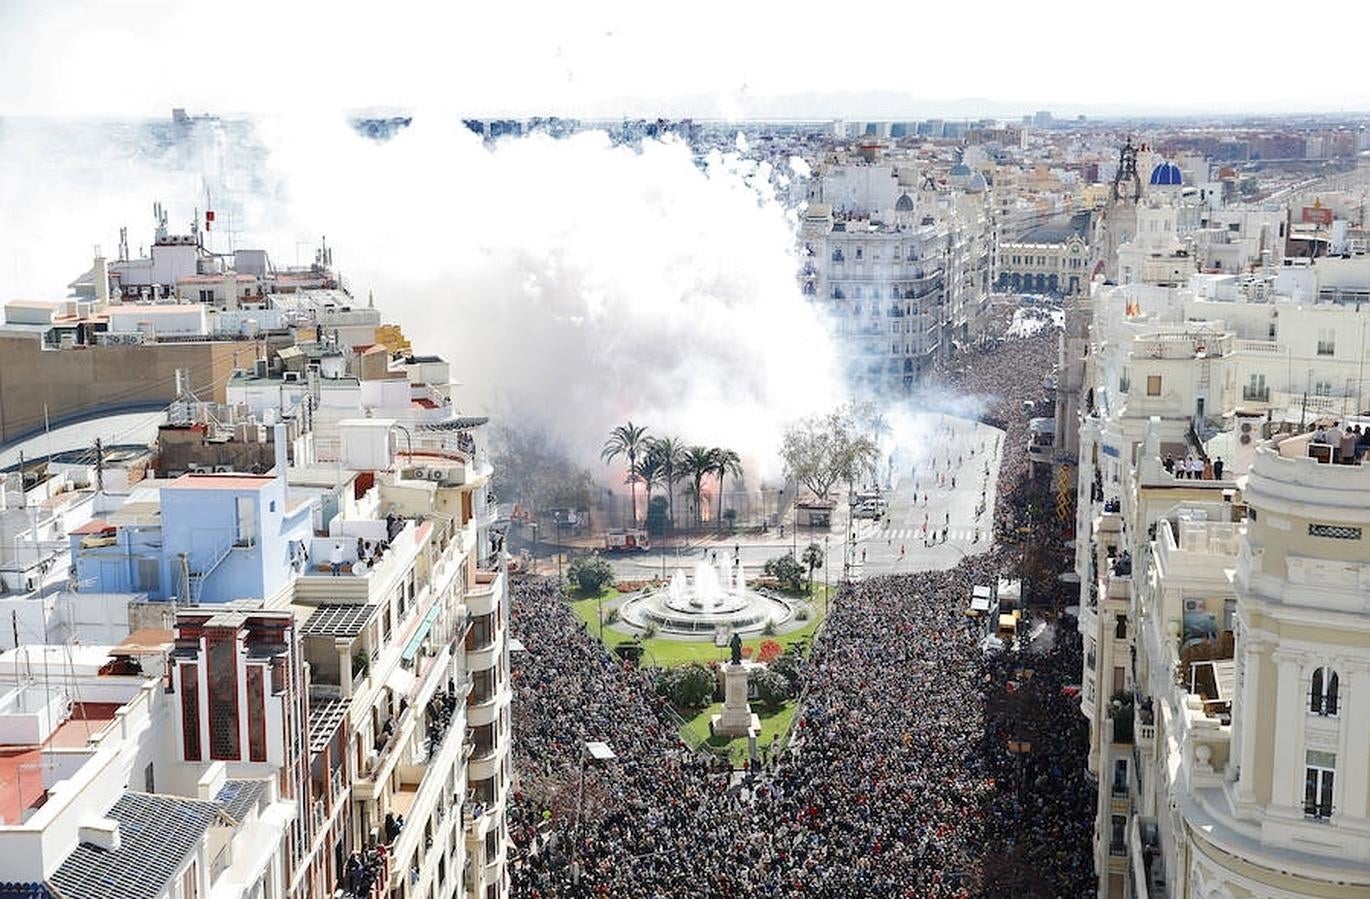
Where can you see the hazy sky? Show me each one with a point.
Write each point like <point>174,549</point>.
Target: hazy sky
<point>601,57</point>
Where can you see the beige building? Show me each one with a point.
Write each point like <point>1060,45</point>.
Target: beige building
<point>1048,259</point>
<point>1223,617</point>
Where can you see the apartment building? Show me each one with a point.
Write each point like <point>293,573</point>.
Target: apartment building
<point>1212,606</point>
<point>316,594</point>
<point>903,271</point>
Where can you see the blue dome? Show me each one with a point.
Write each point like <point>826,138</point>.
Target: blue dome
<point>960,170</point>
<point>1167,174</point>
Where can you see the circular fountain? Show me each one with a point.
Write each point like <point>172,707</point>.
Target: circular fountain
<point>717,596</point>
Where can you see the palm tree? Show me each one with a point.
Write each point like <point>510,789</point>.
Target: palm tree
<point>650,472</point>
<point>671,452</point>
<point>726,462</point>
<point>698,463</point>
<point>628,441</point>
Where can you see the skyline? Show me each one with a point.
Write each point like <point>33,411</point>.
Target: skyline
<point>719,62</point>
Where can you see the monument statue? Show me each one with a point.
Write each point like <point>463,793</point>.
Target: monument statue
<point>736,645</point>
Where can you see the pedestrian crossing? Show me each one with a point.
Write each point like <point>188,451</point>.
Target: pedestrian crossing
<point>898,535</point>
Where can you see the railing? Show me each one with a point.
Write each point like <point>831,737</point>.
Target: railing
<point>220,863</point>
<point>1260,395</point>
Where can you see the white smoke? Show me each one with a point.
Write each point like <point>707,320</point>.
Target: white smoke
<point>571,284</point>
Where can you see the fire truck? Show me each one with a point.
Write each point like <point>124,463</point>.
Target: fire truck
<point>628,541</point>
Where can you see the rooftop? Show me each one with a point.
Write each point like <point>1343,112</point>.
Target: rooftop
<point>157,833</point>
<point>338,620</point>
<point>221,481</point>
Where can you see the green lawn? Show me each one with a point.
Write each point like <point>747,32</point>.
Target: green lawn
<point>587,610</point>
<point>773,727</point>
<point>668,653</point>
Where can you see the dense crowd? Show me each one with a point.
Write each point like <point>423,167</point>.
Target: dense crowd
<point>899,780</point>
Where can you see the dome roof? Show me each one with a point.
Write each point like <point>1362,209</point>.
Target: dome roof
<point>960,170</point>
<point>904,203</point>
<point>1167,174</point>
<point>977,183</point>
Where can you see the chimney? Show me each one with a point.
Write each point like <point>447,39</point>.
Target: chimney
<point>101,280</point>
<point>103,833</point>
<point>278,440</point>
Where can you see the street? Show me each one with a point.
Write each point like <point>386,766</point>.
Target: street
<point>938,482</point>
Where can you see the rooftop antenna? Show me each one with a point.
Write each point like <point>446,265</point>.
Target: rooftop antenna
<point>159,214</point>
<point>123,244</point>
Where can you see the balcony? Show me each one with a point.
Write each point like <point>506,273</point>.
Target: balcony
<point>1256,394</point>
<point>483,598</point>
<point>1144,726</point>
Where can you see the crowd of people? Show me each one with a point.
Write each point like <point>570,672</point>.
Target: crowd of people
<point>917,767</point>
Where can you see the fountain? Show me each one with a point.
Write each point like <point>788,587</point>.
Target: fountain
<point>715,597</point>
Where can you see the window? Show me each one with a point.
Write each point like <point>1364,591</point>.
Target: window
<point>1117,844</point>
<point>1125,381</point>
<point>206,296</point>
<point>149,779</point>
<point>1322,388</point>
<point>247,521</point>
<point>1327,342</point>
<point>1317,784</point>
<point>1119,777</point>
<point>1255,389</point>
<point>190,886</point>
<point>1324,696</point>
<point>1153,385</point>
<point>1120,627</point>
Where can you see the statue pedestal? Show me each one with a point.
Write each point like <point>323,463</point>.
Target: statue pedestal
<point>737,719</point>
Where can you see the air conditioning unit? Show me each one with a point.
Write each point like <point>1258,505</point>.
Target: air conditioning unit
<point>419,474</point>
<point>292,377</point>
<point>1193,605</point>
<point>436,474</point>
<point>1247,432</point>
<point>223,469</point>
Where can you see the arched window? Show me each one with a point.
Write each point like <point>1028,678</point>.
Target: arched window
<point>1324,698</point>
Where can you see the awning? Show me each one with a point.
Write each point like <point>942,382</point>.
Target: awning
<point>411,649</point>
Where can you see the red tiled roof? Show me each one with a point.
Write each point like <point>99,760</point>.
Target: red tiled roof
<point>222,481</point>
<point>94,526</point>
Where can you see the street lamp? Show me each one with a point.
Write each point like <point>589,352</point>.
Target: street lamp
<point>534,526</point>
<point>591,751</point>
<point>826,538</point>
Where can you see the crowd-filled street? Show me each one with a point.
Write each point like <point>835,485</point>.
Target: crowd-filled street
<point>917,767</point>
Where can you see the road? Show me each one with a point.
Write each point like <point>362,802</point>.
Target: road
<point>949,448</point>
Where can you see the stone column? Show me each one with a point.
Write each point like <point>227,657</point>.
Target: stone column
<point>1286,790</point>
<point>737,719</point>
<point>1243,730</point>
<point>1353,759</point>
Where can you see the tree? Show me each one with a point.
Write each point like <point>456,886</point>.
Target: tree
<point>698,463</point>
<point>772,689</point>
<point>629,441</point>
<point>656,516</point>
<point>591,574</point>
<point>812,558</point>
<point>688,686</point>
<point>726,462</point>
<point>823,450</point>
<point>787,571</point>
<point>649,472</point>
<point>671,453</point>
<point>534,469</point>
